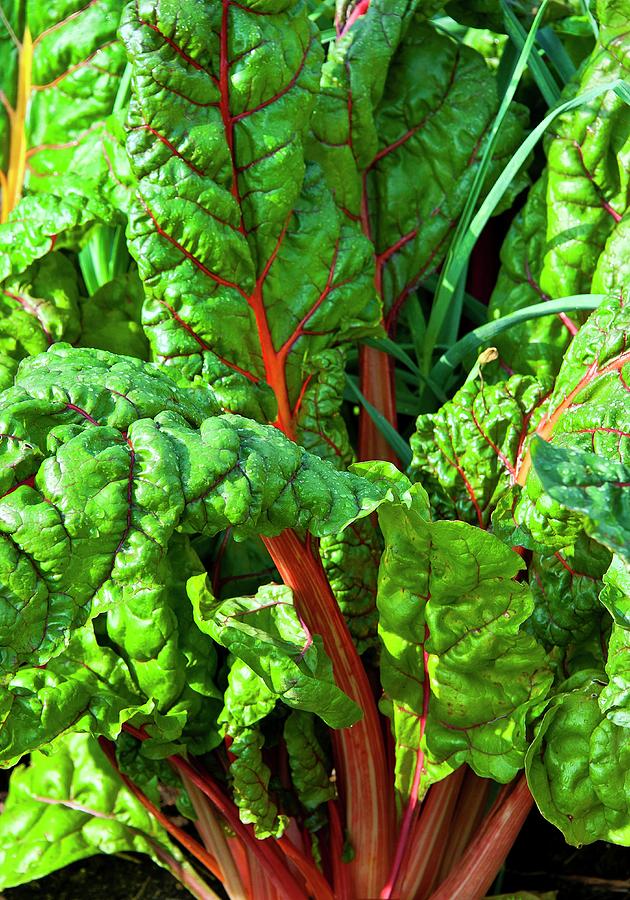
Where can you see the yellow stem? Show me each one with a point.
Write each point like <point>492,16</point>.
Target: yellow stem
<point>14,182</point>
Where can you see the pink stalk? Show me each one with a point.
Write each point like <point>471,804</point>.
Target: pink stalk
<point>429,839</point>
<point>487,852</point>
<point>468,817</point>
<point>413,805</point>
<point>266,851</point>
<point>184,873</point>
<point>340,872</point>
<point>359,751</point>
<point>315,881</point>
<point>213,837</point>
<point>376,380</point>
<point>193,847</point>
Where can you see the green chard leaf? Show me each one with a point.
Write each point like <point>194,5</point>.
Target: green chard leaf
<point>267,634</point>
<point>350,560</point>
<point>110,318</point>
<point>592,486</point>
<point>567,614</point>
<point>310,768</point>
<point>39,306</point>
<point>569,237</point>
<point>103,457</point>
<point>253,277</point>
<point>467,454</point>
<point>459,674</point>
<point>577,767</point>
<point>248,700</point>
<point>171,660</point>
<point>614,700</point>
<point>86,689</point>
<point>615,594</point>
<point>587,425</point>
<point>60,74</point>
<point>380,130</point>
<point>70,805</point>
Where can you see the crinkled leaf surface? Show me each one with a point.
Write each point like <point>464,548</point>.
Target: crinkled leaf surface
<point>592,486</point>
<point>577,768</point>
<point>102,458</point>
<point>587,413</point>
<point>614,700</point>
<point>68,806</point>
<point>310,767</point>
<point>110,318</point>
<point>247,700</point>
<point>399,149</point>
<point>615,594</point>
<point>467,454</point>
<point>86,689</point>
<point>60,66</point>
<point>39,306</point>
<point>251,272</point>
<point>569,238</point>
<point>458,672</point>
<point>350,560</point>
<point>267,634</point>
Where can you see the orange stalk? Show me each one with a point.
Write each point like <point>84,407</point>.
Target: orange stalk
<point>487,852</point>
<point>359,750</point>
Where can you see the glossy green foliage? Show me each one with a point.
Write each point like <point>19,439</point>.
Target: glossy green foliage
<point>569,238</point>
<point>587,422</point>
<point>267,634</point>
<point>70,805</point>
<point>577,768</point>
<point>377,123</point>
<point>248,700</point>
<point>146,468</point>
<point>310,768</point>
<point>350,559</point>
<point>467,454</point>
<point>252,274</point>
<point>61,68</point>
<point>450,617</point>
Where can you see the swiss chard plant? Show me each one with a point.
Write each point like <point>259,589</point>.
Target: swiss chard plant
<point>314,508</point>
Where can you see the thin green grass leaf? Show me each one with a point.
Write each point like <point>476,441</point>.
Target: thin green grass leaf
<point>542,76</point>
<point>456,258</point>
<point>485,334</point>
<point>476,311</point>
<point>455,265</point>
<point>390,347</point>
<point>558,56</point>
<point>586,6</point>
<point>395,441</point>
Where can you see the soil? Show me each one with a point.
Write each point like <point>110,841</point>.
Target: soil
<point>539,861</point>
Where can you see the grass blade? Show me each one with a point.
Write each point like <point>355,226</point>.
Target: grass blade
<point>456,257</point>
<point>455,265</point>
<point>554,48</point>
<point>396,442</point>
<point>542,76</point>
<point>449,361</point>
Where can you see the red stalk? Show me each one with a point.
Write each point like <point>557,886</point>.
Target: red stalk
<point>487,852</point>
<point>315,881</point>
<point>266,852</point>
<point>184,874</point>
<point>471,804</point>
<point>340,873</point>
<point>376,378</point>
<point>193,847</point>
<point>213,837</point>
<point>359,750</point>
<point>429,839</point>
